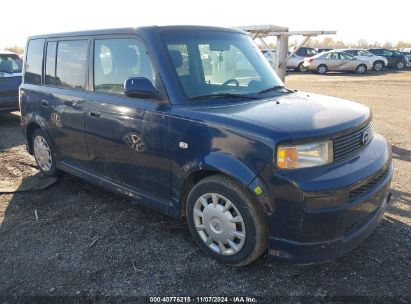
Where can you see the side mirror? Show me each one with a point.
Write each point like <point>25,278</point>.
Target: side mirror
<point>140,87</point>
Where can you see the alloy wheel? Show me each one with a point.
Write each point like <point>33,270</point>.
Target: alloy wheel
<point>378,66</point>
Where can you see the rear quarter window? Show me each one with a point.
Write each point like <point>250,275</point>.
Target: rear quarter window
<point>34,61</point>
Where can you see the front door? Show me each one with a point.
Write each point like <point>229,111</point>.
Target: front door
<point>348,62</point>
<point>127,137</point>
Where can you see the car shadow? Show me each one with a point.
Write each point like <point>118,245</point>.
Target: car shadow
<point>401,153</point>
<point>76,239</point>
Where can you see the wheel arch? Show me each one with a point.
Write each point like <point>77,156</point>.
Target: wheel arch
<point>34,122</point>
<point>30,129</point>
<point>379,60</point>
<point>215,163</point>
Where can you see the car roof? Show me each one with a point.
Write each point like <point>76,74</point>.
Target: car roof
<point>136,30</point>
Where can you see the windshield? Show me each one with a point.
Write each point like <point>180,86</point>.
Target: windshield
<point>218,63</point>
<point>10,63</point>
<point>311,51</point>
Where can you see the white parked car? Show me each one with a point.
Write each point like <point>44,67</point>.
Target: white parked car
<point>378,62</point>
<point>294,63</point>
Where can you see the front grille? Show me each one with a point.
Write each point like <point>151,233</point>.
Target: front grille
<point>350,144</point>
<point>367,187</point>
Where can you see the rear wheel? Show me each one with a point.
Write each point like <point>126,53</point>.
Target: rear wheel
<point>225,222</point>
<point>44,153</point>
<point>301,67</point>
<point>378,66</point>
<point>361,69</point>
<point>400,65</point>
<point>322,69</point>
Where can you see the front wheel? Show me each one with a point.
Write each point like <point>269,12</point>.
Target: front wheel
<point>301,67</point>
<point>400,65</point>
<point>361,69</point>
<point>225,221</point>
<point>44,153</point>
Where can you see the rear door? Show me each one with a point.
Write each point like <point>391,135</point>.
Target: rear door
<point>333,61</point>
<point>61,98</point>
<point>127,137</point>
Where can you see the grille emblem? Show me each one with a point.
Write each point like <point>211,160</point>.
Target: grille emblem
<point>365,139</point>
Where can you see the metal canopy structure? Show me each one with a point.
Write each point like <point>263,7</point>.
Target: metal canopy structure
<point>282,33</point>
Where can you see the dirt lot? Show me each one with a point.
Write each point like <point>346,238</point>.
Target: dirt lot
<point>88,242</point>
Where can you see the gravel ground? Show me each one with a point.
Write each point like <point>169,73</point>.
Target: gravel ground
<point>87,242</point>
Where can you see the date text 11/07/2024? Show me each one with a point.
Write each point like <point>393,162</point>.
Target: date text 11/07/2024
<point>235,299</point>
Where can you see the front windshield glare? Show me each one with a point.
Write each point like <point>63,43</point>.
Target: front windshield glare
<point>211,63</point>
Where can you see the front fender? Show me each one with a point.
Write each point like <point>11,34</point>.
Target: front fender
<point>235,169</point>
<point>228,165</point>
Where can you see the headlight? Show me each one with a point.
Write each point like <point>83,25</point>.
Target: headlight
<point>304,156</point>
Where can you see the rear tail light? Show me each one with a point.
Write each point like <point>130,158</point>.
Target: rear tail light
<point>309,59</point>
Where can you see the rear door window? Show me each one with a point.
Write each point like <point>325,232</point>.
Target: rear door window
<point>72,64</point>
<point>34,62</point>
<point>332,56</point>
<point>346,56</point>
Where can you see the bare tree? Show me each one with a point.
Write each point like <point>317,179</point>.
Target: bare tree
<point>15,49</point>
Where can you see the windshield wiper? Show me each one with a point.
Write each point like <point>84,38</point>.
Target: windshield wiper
<point>271,89</point>
<point>221,95</point>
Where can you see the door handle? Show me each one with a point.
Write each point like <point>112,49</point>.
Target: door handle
<point>44,103</point>
<point>93,113</point>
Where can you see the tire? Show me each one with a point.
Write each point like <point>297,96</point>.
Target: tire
<point>44,153</point>
<point>361,69</point>
<point>400,65</point>
<point>301,68</point>
<point>378,65</point>
<point>321,69</point>
<point>208,221</point>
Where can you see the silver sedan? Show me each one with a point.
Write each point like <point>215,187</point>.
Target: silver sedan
<point>336,61</point>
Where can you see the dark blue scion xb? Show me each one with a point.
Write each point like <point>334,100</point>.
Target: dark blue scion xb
<point>192,121</point>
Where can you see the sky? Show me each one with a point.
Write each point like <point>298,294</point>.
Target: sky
<point>372,20</point>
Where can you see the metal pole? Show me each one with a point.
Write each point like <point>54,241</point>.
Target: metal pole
<point>281,55</point>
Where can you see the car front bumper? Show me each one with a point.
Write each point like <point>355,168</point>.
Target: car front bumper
<point>355,234</point>
<point>318,214</point>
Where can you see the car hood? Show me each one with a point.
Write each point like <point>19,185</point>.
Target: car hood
<point>300,115</point>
